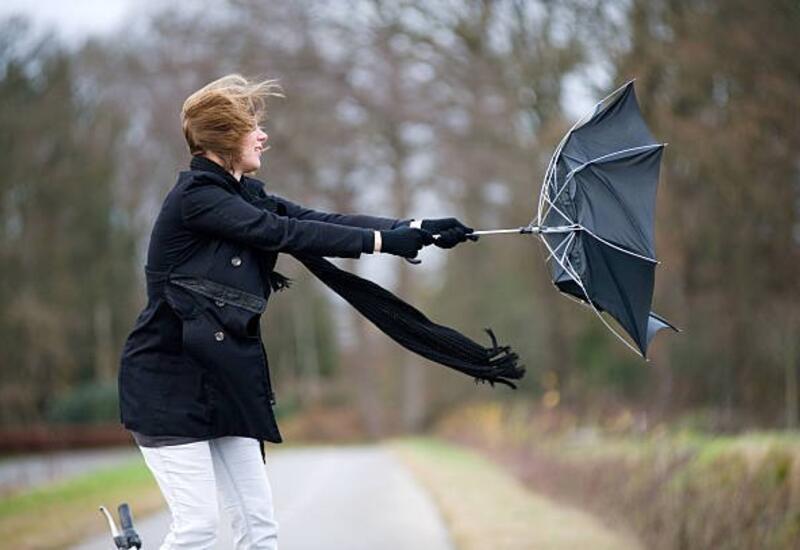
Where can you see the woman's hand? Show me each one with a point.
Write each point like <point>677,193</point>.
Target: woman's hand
<point>404,241</point>
<point>450,231</point>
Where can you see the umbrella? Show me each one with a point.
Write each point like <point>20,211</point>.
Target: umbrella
<point>595,216</point>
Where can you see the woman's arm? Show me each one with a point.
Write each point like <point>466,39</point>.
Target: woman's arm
<point>450,230</point>
<point>294,210</point>
<point>208,208</point>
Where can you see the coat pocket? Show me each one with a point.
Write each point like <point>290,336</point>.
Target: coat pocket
<point>218,324</point>
<point>231,312</point>
<point>222,337</point>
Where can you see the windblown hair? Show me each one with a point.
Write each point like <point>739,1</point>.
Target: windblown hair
<point>218,116</point>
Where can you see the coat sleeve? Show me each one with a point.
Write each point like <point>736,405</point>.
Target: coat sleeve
<point>209,209</point>
<point>294,210</point>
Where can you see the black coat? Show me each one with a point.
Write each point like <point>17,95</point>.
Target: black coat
<point>194,363</point>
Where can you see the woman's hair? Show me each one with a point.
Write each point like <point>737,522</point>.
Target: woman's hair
<point>219,115</point>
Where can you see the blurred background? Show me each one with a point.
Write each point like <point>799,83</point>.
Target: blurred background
<point>434,109</point>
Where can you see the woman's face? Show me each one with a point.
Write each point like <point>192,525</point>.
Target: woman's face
<point>253,145</point>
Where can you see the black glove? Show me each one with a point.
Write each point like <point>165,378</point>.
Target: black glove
<point>450,230</point>
<point>405,241</point>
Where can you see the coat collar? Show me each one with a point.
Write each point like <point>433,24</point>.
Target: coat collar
<point>245,189</point>
<point>201,163</point>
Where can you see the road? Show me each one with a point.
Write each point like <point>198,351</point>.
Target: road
<point>332,498</point>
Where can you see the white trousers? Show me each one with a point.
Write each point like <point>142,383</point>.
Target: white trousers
<point>190,475</point>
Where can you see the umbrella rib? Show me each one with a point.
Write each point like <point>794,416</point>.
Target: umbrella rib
<point>611,154</point>
<point>556,249</point>
<point>568,270</point>
<point>544,198</point>
<point>615,247</point>
<point>554,256</point>
<point>599,159</point>
<point>551,166</point>
<point>580,227</point>
<point>570,239</point>
<point>558,210</point>
<point>548,175</point>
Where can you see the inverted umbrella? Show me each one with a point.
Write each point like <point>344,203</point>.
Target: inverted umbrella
<point>595,216</point>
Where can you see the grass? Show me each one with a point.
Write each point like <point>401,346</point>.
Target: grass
<point>485,507</point>
<point>753,446</point>
<point>58,515</point>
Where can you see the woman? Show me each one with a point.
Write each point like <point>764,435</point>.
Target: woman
<point>194,380</point>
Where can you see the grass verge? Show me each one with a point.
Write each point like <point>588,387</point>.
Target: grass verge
<point>61,514</point>
<point>673,488</point>
<point>485,507</point>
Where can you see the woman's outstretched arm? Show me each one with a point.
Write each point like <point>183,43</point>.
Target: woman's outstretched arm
<point>450,230</point>
<point>208,208</point>
<point>294,210</point>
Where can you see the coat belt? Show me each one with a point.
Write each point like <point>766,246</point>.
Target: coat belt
<point>205,287</point>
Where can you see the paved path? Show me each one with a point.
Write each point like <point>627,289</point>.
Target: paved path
<point>333,498</point>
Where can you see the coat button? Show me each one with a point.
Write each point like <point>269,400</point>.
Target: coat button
<point>219,336</point>
<point>236,261</point>
<point>219,303</point>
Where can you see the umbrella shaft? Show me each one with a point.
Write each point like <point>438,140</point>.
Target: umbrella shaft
<point>526,230</point>
<point>499,231</point>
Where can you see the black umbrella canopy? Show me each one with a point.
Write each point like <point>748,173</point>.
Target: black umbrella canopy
<point>597,215</point>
